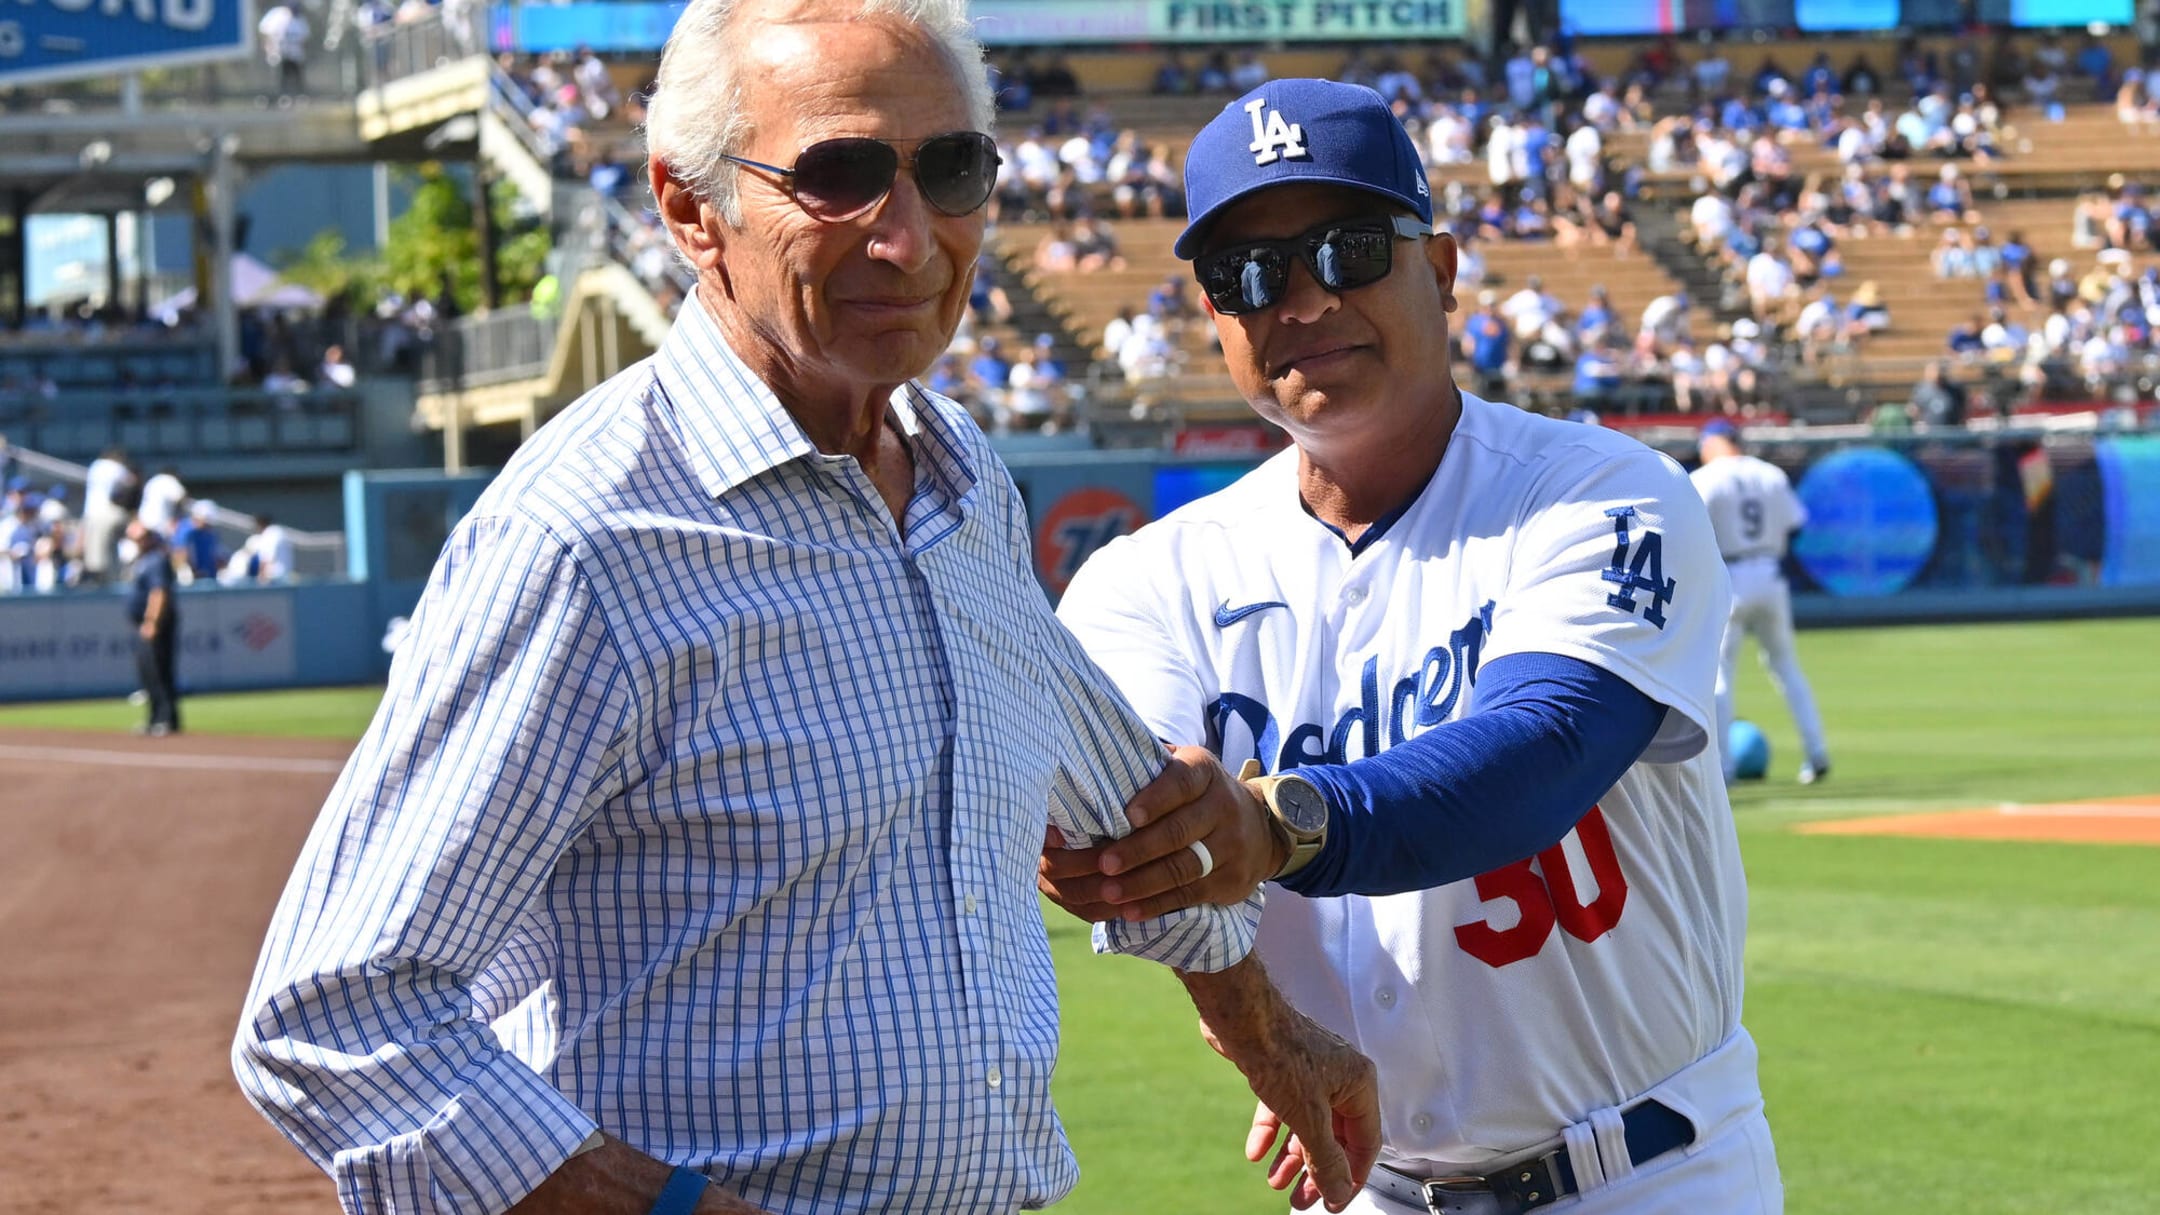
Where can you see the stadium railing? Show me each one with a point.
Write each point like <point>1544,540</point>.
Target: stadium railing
<point>410,48</point>
<point>496,347</point>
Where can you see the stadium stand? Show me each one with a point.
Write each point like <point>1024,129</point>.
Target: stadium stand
<point>1581,212</point>
<point>563,130</point>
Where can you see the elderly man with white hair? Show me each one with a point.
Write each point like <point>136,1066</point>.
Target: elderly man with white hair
<point>688,865</point>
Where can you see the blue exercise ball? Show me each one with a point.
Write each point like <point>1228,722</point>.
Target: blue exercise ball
<point>1750,751</point>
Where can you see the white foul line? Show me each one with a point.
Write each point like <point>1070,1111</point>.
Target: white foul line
<point>199,763</point>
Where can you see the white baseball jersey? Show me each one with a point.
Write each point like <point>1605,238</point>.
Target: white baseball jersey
<point>1753,508</point>
<point>1503,1008</point>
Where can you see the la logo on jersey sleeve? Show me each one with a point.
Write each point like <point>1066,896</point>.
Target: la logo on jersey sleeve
<point>1638,565</point>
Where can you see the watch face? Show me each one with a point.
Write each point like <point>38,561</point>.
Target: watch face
<point>1302,808</point>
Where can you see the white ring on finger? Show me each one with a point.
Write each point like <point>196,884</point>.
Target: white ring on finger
<point>1207,859</point>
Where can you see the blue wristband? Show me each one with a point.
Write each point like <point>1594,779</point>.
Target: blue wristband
<point>681,1193</point>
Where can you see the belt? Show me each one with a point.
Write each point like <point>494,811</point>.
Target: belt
<point>1652,1129</point>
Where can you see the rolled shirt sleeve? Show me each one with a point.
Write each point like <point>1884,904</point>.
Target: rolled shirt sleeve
<point>362,1039</point>
<point>1112,754</point>
<point>1107,753</point>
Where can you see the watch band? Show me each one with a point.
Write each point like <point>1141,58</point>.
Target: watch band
<point>1301,853</point>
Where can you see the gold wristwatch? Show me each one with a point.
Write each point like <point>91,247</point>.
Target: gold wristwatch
<point>1296,811</point>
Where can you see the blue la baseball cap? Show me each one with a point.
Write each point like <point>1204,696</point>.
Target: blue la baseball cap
<point>1720,428</point>
<point>1296,130</point>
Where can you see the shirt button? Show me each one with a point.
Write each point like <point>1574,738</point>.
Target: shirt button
<point>968,904</point>
<point>1422,1123</point>
<point>1386,997</point>
<point>996,1077</point>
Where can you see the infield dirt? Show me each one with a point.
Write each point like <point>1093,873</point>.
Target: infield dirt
<point>2116,820</point>
<point>137,880</point>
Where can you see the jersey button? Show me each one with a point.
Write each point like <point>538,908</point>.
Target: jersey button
<point>996,1077</point>
<point>1354,596</point>
<point>1421,1124</point>
<point>1386,997</point>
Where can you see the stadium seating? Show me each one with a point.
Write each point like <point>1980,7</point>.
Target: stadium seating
<point>68,363</point>
<point>1085,302</point>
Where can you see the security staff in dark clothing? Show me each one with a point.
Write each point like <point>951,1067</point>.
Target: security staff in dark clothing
<point>156,616</point>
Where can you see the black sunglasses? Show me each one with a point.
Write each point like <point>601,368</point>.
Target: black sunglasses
<point>839,179</point>
<point>1252,275</point>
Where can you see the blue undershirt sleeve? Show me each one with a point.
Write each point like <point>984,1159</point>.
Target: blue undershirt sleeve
<point>1545,738</point>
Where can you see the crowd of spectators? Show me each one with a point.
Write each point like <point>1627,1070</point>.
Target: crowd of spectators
<point>1907,140</point>
<point>1067,163</point>
<point>2057,332</point>
<point>85,323</point>
<point>1151,342</point>
<point>55,539</point>
<point>1018,383</point>
<point>1610,357</point>
<point>280,347</point>
<point>1775,234</point>
<point>1009,391</point>
<point>1543,124</point>
<point>578,115</point>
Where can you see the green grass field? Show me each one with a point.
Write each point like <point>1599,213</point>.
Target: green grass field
<point>295,713</point>
<point>1946,1026</point>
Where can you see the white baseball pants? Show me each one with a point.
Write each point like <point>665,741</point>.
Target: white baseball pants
<point>1762,606</point>
<point>1731,1170</point>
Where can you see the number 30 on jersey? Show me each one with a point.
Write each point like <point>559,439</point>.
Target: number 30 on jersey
<point>1546,891</point>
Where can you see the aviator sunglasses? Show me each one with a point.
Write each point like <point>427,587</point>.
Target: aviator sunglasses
<point>1252,275</point>
<point>839,179</point>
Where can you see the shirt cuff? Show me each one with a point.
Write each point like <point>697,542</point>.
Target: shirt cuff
<point>482,1153</point>
<point>1205,939</point>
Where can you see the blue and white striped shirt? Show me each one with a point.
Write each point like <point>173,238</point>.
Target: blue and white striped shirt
<point>703,806</point>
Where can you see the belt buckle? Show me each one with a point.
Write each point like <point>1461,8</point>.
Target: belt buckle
<point>1437,1190</point>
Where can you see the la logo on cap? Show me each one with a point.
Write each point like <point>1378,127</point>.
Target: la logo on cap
<point>1276,139</point>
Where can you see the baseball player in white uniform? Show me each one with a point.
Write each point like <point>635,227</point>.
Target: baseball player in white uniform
<point>1465,657</point>
<point>1754,512</point>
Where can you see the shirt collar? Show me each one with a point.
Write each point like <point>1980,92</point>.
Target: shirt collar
<point>731,423</point>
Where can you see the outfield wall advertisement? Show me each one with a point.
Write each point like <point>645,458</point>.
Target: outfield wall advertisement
<point>231,639</point>
<point>1639,17</point>
<point>76,644</point>
<point>48,40</point>
<point>1033,22</point>
<point>1938,524</point>
<point>631,25</point>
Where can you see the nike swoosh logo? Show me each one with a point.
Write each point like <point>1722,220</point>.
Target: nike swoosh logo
<point>1225,615</point>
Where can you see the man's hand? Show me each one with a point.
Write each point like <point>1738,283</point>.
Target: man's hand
<point>1307,1079</point>
<point>1289,1160</point>
<point>1155,871</point>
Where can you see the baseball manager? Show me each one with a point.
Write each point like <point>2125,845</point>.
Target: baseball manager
<point>1466,656</point>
